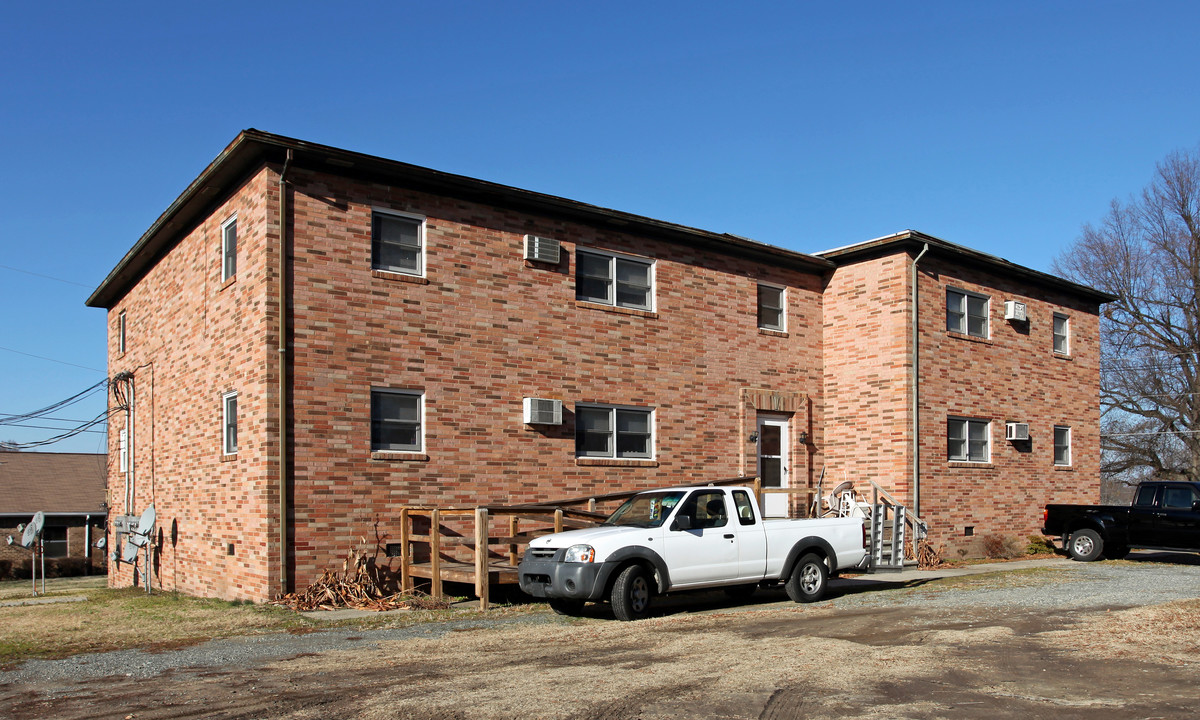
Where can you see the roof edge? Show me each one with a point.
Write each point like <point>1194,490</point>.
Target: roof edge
<point>252,147</point>
<point>914,239</point>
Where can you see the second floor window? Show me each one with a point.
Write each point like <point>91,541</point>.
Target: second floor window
<point>614,280</point>
<point>771,315</point>
<point>229,248</point>
<point>397,244</point>
<point>1062,334</point>
<point>967,313</point>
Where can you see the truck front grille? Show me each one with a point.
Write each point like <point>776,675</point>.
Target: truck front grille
<point>542,553</point>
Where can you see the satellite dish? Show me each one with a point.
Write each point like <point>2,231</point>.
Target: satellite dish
<point>146,523</point>
<point>101,543</point>
<point>10,540</point>
<point>33,529</point>
<point>131,552</point>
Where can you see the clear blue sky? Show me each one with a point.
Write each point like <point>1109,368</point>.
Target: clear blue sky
<point>1001,126</point>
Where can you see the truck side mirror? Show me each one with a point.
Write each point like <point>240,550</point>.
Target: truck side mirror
<point>683,522</point>
<point>1196,506</point>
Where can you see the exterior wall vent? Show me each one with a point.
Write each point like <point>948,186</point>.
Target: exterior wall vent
<point>543,412</point>
<point>541,249</point>
<point>1014,310</point>
<point>1016,431</point>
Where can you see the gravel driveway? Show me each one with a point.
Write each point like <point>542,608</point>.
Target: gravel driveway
<point>1020,641</point>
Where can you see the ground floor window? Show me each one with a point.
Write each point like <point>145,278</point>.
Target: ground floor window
<point>54,541</point>
<point>614,432</point>
<point>1062,445</point>
<point>969,439</point>
<point>397,418</point>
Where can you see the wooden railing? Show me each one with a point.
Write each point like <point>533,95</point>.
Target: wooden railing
<point>462,548</point>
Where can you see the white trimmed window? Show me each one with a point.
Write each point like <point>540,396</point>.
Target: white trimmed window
<point>397,420</point>
<point>121,332</point>
<point>969,440</point>
<point>610,431</point>
<point>229,248</point>
<point>1062,445</point>
<point>398,242</point>
<point>967,313</point>
<point>771,304</point>
<point>615,280</point>
<point>229,415</point>
<point>1062,334</point>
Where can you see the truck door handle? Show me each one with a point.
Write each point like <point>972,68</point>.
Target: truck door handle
<point>728,536</point>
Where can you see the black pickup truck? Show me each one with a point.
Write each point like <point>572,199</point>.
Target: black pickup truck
<point>1163,516</point>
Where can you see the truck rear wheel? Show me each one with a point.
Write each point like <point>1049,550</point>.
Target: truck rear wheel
<point>808,580</point>
<point>1086,545</point>
<point>631,593</point>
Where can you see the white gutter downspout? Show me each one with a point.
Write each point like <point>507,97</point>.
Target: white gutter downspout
<point>916,386</point>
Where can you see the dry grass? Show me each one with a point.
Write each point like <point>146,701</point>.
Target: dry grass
<point>1168,633</point>
<point>127,617</point>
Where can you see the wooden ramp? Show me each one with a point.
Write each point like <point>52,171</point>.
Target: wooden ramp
<point>481,546</point>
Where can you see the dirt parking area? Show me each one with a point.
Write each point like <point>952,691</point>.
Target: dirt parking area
<point>1046,642</point>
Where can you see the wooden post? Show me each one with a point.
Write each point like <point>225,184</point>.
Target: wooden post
<point>435,552</point>
<point>513,527</point>
<point>558,514</point>
<point>481,557</point>
<point>406,581</point>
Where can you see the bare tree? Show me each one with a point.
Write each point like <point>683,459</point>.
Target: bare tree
<point>1147,253</point>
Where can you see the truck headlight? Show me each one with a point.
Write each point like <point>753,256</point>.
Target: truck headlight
<point>580,553</point>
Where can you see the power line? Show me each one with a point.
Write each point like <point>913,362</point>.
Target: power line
<point>47,277</point>
<point>43,357</point>
<point>102,385</point>
<point>69,434</point>
<point>50,427</point>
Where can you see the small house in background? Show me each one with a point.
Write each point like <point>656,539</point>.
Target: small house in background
<point>69,488</point>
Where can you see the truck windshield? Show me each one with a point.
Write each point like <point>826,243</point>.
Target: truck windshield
<point>645,510</point>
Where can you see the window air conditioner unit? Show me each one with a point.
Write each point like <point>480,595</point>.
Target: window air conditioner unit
<point>1014,310</point>
<point>543,412</point>
<point>1016,431</point>
<point>541,249</point>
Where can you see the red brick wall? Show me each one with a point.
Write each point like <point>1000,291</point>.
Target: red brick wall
<point>866,375</point>
<point>190,338</point>
<point>1012,376</point>
<point>486,329</point>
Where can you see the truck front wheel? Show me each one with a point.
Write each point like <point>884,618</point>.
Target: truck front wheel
<point>631,593</point>
<point>808,580</point>
<point>563,606</point>
<point>1086,545</point>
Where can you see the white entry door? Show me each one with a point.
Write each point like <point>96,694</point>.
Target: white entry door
<point>773,463</point>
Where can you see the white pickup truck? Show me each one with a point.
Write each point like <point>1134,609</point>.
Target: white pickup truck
<point>691,538</point>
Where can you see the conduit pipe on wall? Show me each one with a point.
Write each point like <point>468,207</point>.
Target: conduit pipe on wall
<point>283,379</point>
<point>916,386</point>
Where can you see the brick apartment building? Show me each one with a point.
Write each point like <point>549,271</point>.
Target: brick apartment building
<point>293,388</point>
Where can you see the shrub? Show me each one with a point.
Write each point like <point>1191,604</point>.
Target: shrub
<point>1039,545</point>
<point>1000,547</point>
